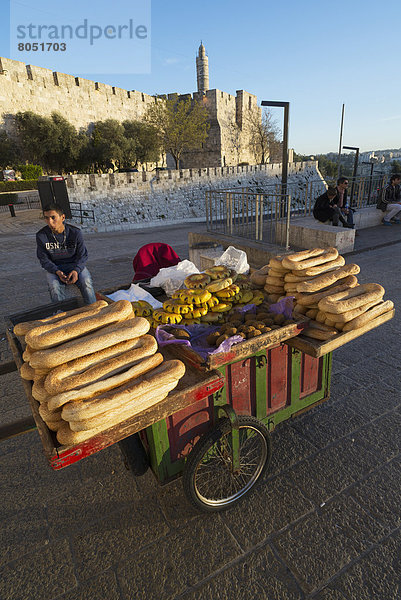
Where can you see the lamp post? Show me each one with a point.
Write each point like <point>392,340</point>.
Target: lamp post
<point>355,168</point>
<point>286,106</point>
<point>284,168</point>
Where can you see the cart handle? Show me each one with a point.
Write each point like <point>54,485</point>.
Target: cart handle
<point>233,418</point>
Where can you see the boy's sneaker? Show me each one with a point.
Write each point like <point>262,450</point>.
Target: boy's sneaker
<point>386,222</point>
<point>396,221</point>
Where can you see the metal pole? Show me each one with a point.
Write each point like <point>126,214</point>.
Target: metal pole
<point>284,171</point>
<point>354,174</point>
<point>284,175</point>
<point>341,141</point>
<point>287,227</point>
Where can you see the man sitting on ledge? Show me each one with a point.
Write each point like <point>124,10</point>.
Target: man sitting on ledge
<point>326,209</point>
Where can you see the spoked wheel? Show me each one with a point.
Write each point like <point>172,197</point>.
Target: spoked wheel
<point>209,480</point>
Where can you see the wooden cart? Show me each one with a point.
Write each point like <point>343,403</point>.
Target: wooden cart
<point>214,427</point>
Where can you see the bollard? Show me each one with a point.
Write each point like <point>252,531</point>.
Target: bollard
<point>12,210</point>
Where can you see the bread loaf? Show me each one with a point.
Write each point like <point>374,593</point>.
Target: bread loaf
<point>323,268</point>
<point>66,437</point>
<point>49,335</point>
<point>104,338</point>
<point>369,315</point>
<point>38,390</point>
<point>323,281</point>
<point>167,372</point>
<point>22,329</point>
<point>351,314</point>
<point>319,331</point>
<point>137,369</point>
<point>309,258</point>
<point>350,299</point>
<point>339,286</point>
<point>27,372</point>
<point>118,414</point>
<point>98,365</point>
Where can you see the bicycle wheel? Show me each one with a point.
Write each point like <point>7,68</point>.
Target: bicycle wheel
<point>209,481</point>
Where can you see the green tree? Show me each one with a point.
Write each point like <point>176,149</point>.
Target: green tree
<point>51,142</point>
<point>37,135</point>
<point>182,125</point>
<point>109,144</point>
<point>61,156</point>
<point>395,167</point>
<point>328,168</point>
<point>8,150</point>
<point>144,142</point>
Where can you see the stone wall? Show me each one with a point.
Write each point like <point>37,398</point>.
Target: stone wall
<point>134,200</point>
<point>82,102</point>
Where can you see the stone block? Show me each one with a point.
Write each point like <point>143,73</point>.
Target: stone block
<point>306,232</point>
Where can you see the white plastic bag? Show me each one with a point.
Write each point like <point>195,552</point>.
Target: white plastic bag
<point>234,259</point>
<point>134,293</point>
<point>172,278</point>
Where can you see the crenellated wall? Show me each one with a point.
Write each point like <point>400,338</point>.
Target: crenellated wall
<point>82,102</point>
<point>134,200</point>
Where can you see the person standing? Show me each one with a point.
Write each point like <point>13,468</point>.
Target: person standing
<point>61,251</point>
<point>391,201</point>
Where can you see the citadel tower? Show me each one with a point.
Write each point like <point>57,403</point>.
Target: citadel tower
<point>202,70</point>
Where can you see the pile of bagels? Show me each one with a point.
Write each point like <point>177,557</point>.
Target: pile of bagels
<point>94,367</point>
<point>326,290</point>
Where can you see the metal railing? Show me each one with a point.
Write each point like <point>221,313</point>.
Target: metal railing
<point>77,212</point>
<point>25,203</point>
<point>363,191</point>
<point>264,215</point>
<point>247,214</point>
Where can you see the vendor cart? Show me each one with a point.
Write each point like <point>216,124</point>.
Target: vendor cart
<point>213,428</point>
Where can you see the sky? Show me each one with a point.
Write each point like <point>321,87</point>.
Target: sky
<point>315,55</point>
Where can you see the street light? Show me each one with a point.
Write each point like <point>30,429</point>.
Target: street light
<point>284,168</point>
<point>284,171</point>
<point>355,168</point>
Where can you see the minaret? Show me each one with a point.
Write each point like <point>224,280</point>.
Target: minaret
<point>202,69</point>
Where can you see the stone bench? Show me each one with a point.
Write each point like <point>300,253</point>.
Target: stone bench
<point>307,232</point>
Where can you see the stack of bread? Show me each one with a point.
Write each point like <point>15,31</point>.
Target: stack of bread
<point>206,298</point>
<point>271,279</point>
<point>327,291</point>
<point>94,367</point>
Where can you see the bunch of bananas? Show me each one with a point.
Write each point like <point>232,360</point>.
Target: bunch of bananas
<point>228,292</point>
<point>163,317</point>
<point>142,308</point>
<point>201,305</point>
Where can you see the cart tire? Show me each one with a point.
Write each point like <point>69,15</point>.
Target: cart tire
<point>208,481</point>
<point>134,455</point>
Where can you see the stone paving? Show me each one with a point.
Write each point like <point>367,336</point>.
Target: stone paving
<point>324,524</point>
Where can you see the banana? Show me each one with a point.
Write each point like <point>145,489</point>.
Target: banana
<point>246,296</point>
<point>198,311</point>
<point>213,301</point>
<point>175,305</point>
<point>219,284</point>
<point>196,297</point>
<point>218,272</point>
<point>222,307</point>
<point>142,308</point>
<point>258,297</point>
<point>228,292</point>
<point>161,316</point>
